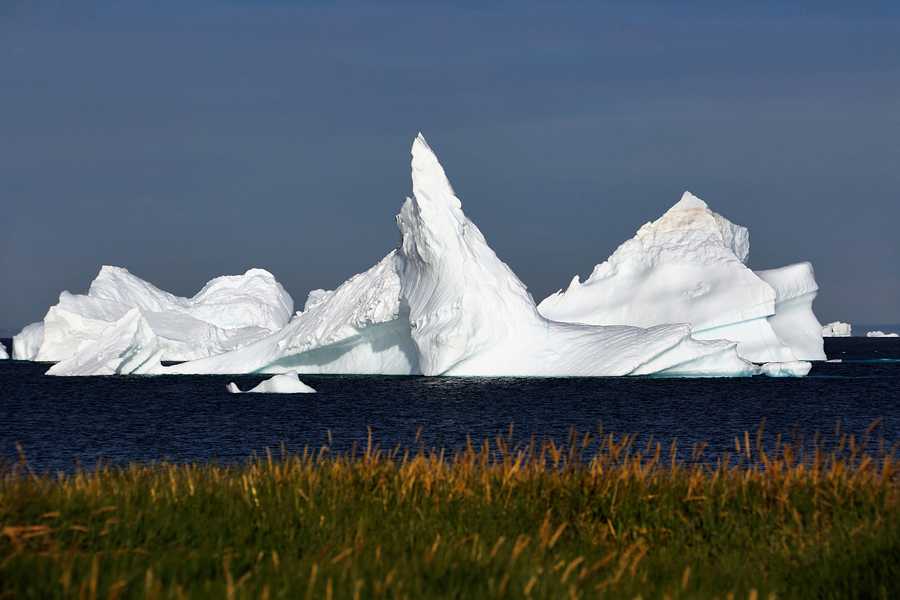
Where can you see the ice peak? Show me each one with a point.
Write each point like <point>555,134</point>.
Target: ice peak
<point>688,213</point>
<point>430,183</point>
<point>689,202</point>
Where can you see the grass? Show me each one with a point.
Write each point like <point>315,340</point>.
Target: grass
<point>495,520</point>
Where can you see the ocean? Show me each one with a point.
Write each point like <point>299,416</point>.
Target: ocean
<point>62,423</point>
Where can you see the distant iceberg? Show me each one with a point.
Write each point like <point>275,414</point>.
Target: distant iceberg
<point>881,334</point>
<point>688,267</point>
<point>229,312</point>
<point>836,329</point>
<point>288,383</point>
<point>3,353</point>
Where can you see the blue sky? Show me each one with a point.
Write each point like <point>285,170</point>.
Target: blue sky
<point>186,140</point>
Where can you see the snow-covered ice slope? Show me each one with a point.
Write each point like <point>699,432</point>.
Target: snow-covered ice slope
<point>688,267</point>
<point>470,314</point>
<point>227,313</point>
<point>289,383</point>
<point>794,322</point>
<point>362,327</point>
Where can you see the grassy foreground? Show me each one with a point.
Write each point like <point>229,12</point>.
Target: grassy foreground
<point>533,520</point>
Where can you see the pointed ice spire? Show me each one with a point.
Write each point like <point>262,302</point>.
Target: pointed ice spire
<point>430,183</point>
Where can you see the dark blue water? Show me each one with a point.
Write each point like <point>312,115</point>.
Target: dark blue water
<point>62,420</point>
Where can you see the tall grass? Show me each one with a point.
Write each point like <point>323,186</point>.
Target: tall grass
<point>594,517</point>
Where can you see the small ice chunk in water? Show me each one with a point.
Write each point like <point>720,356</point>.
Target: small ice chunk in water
<point>795,368</point>
<point>289,383</point>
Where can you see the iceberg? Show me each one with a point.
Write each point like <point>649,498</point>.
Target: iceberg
<point>881,334</point>
<point>229,312</point>
<point>688,267</point>
<point>836,329</point>
<point>288,383</point>
<point>3,353</point>
<point>441,304</point>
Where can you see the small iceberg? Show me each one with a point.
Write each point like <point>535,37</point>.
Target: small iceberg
<point>289,383</point>
<point>880,334</point>
<point>837,329</point>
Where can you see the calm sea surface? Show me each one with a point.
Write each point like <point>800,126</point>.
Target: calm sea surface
<point>61,421</point>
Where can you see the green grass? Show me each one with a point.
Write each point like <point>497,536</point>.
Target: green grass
<point>496,520</point>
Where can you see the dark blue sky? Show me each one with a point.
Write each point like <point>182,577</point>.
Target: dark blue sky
<point>186,140</point>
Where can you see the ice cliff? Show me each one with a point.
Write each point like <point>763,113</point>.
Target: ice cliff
<point>688,267</point>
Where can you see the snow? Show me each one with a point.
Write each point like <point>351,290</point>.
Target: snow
<point>128,346</point>
<point>881,334</point>
<point>288,383</point>
<point>227,313</point>
<point>688,267</point>
<point>836,329</point>
<point>797,368</point>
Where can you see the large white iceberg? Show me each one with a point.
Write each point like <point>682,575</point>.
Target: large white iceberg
<point>289,383</point>
<point>443,303</point>
<point>688,267</point>
<point>836,329</point>
<point>229,312</point>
